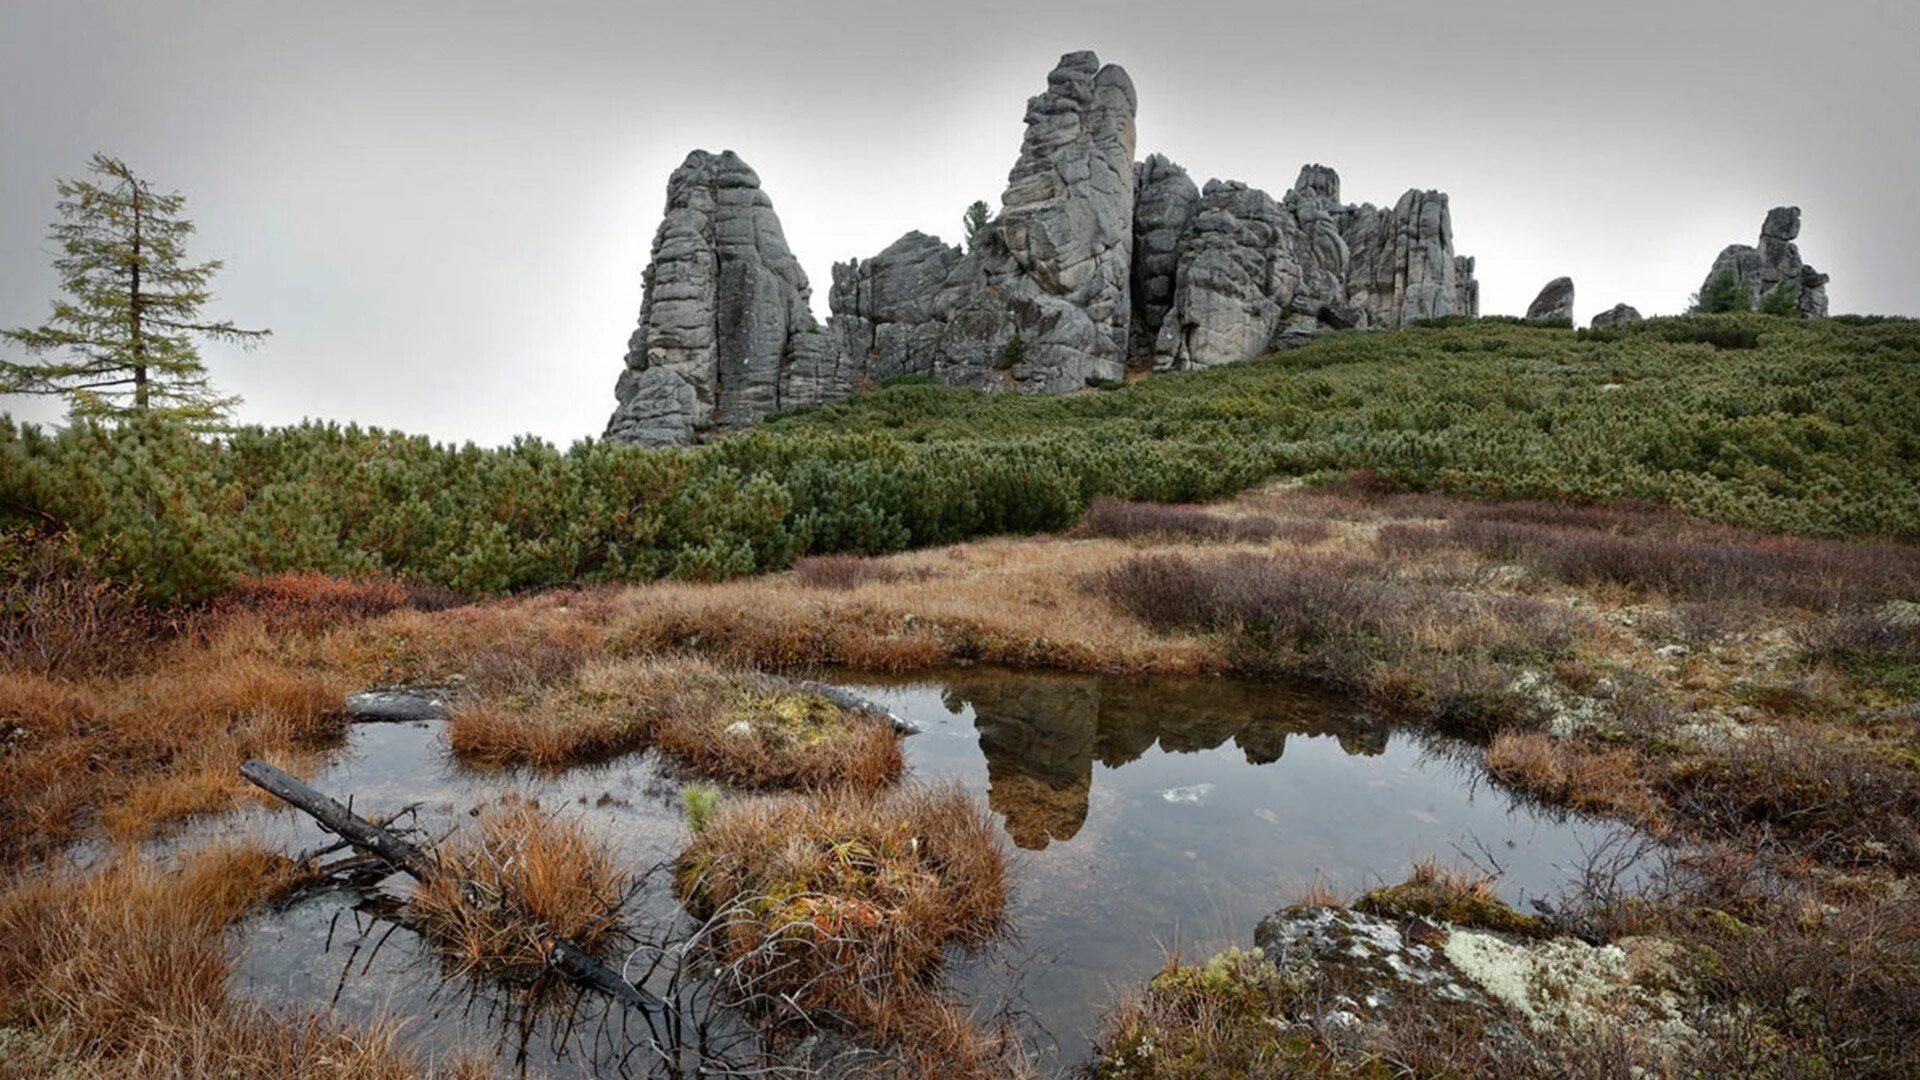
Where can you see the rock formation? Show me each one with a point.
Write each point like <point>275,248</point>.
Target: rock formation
<point>1775,265</point>
<point>726,332</point>
<point>1093,260</point>
<point>1617,315</point>
<point>1255,274</point>
<point>1043,300</point>
<point>1554,304</point>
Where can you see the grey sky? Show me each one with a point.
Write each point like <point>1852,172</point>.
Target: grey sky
<point>442,209</point>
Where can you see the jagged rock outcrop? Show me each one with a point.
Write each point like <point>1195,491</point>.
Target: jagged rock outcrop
<point>1554,304</point>
<point>1042,302</point>
<point>1775,265</point>
<point>1255,274</point>
<point>1093,259</point>
<point>1617,315</point>
<point>726,331</point>
<point>891,311</point>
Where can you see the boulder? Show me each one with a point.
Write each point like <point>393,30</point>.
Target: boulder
<point>1774,265</point>
<point>1554,304</point>
<point>1617,315</point>
<point>725,314</point>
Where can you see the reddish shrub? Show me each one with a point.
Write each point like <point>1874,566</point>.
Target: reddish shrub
<point>307,600</point>
<point>1802,573</point>
<point>60,614</point>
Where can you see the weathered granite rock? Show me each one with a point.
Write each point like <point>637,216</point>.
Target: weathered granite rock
<point>1554,304</point>
<point>1775,265</point>
<point>1254,274</point>
<point>1065,228</point>
<point>1092,259</point>
<point>724,314</point>
<point>1404,266</point>
<point>1238,270</point>
<point>1617,315</point>
<point>890,311</point>
<point>1042,302</point>
<point>1164,203</point>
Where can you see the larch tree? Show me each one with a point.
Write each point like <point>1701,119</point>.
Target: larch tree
<point>123,340</point>
<point>975,221</point>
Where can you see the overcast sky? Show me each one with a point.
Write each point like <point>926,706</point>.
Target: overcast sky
<point>442,209</point>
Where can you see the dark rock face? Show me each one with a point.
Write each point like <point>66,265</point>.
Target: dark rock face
<point>726,332</point>
<point>1775,265</point>
<point>1092,260</point>
<point>1617,315</point>
<point>1164,203</point>
<point>1554,304</point>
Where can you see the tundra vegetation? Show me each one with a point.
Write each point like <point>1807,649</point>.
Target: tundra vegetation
<point>1660,573</point>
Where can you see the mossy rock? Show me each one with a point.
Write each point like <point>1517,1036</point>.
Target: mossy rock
<point>1441,904</point>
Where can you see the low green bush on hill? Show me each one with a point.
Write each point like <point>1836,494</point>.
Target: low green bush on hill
<point>1796,426</point>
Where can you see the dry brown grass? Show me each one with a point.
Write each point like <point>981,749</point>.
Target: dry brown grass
<point>123,973</point>
<point>515,882</point>
<point>850,902</point>
<point>608,709</point>
<point>1602,779</point>
<point>759,733</point>
<point>148,749</point>
<point>720,723</point>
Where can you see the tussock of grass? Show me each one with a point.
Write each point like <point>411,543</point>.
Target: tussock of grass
<point>149,749</point>
<point>1598,779</point>
<point>759,734</point>
<point>608,709</point>
<point>1444,894</point>
<point>849,902</point>
<point>720,723</point>
<point>123,972</point>
<point>514,883</point>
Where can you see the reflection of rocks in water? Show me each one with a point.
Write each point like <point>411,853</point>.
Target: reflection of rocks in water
<point>1042,733</point>
<point>1037,733</point>
<point>1190,715</point>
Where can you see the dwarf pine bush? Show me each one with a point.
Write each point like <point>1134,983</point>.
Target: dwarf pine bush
<point>1808,426</point>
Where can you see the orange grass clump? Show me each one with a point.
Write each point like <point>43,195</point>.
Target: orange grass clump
<point>728,725</point>
<point>505,894</point>
<point>849,902</point>
<point>1599,779</point>
<point>123,972</point>
<point>758,733</point>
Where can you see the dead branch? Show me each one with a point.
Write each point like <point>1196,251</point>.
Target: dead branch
<point>562,956</point>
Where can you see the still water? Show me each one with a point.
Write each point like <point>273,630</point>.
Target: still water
<point>1147,816</point>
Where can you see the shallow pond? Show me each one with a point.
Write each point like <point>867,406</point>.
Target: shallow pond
<point>1146,816</point>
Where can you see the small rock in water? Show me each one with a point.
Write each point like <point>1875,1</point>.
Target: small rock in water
<point>1192,793</point>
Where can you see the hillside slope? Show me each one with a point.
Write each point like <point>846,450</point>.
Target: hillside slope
<point>1788,426</point>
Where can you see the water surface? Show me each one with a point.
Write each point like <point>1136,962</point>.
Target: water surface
<point>1145,816</point>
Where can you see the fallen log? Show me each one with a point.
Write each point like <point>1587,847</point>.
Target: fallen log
<point>562,955</point>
